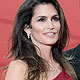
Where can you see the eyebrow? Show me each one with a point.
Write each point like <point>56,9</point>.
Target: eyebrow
<point>41,16</point>
<point>46,17</point>
<point>55,15</point>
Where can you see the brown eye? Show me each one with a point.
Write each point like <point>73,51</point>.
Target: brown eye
<point>41,20</point>
<point>55,19</point>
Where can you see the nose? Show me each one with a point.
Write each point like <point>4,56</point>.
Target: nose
<point>50,25</point>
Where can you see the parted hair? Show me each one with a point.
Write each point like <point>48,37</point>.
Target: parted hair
<point>22,48</point>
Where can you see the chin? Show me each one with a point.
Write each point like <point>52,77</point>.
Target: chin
<point>50,43</point>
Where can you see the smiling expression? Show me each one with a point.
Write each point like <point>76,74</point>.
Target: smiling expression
<point>45,25</point>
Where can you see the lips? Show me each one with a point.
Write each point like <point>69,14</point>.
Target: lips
<point>50,33</point>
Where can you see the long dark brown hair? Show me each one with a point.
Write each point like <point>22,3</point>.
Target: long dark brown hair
<point>22,48</point>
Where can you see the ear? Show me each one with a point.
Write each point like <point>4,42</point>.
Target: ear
<point>27,29</point>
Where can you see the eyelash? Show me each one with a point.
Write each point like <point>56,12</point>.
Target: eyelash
<point>53,19</point>
<point>41,20</point>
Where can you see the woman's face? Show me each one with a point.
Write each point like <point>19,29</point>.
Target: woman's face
<point>45,25</point>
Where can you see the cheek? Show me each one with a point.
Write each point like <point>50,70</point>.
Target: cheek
<point>58,28</point>
<point>57,25</point>
<point>37,28</point>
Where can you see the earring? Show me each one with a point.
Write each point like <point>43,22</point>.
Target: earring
<point>28,36</point>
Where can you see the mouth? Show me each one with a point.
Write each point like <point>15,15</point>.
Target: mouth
<point>50,33</point>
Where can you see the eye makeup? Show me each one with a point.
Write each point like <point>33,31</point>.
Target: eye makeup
<point>44,18</point>
<point>55,18</point>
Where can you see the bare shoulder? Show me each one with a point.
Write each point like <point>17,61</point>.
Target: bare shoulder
<point>16,70</point>
<point>18,63</point>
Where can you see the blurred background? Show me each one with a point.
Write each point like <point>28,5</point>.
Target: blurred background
<point>8,9</point>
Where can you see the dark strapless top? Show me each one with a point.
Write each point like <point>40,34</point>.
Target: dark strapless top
<point>63,76</point>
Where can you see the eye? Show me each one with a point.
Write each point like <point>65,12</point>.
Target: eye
<point>41,19</point>
<point>55,19</point>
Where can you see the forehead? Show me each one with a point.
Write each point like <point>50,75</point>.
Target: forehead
<point>44,9</point>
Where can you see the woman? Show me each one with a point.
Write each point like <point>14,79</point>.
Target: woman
<point>39,37</point>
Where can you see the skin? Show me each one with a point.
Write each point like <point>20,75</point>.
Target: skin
<point>45,22</point>
<point>41,35</point>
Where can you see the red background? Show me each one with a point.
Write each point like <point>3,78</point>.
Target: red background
<point>8,9</point>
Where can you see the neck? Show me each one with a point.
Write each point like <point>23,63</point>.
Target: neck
<point>45,52</point>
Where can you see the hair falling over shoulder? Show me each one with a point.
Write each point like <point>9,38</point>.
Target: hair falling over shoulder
<point>22,48</point>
